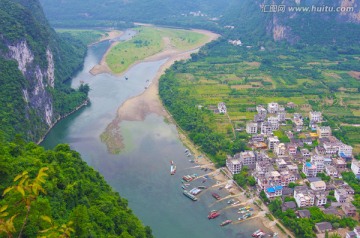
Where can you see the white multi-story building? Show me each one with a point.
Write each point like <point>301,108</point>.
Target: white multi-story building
<point>248,158</point>
<point>222,107</point>
<point>234,165</point>
<point>280,149</point>
<point>274,122</point>
<point>323,131</point>
<point>251,127</point>
<point>266,128</point>
<point>318,186</point>
<point>303,196</point>
<point>341,195</point>
<point>273,177</point>
<point>273,107</point>
<point>281,114</point>
<point>320,199</point>
<point>345,151</point>
<point>292,149</point>
<point>272,141</point>
<point>315,116</point>
<point>263,167</point>
<point>309,169</point>
<point>318,161</point>
<point>330,148</point>
<point>287,177</point>
<point>355,167</point>
<point>332,171</point>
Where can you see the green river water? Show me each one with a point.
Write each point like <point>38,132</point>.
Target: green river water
<point>141,173</point>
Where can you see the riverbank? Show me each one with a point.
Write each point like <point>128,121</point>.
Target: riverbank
<point>110,36</point>
<point>85,103</point>
<point>222,178</point>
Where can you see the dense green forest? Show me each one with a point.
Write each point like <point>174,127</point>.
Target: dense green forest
<point>72,192</point>
<point>249,21</point>
<point>20,113</point>
<point>48,193</point>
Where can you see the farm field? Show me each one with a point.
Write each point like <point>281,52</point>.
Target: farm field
<point>148,42</point>
<point>250,77</point>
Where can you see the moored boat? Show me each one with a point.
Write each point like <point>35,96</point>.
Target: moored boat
<point>216,196</point>
<point>189,195</point>
<point>224,223</point>
<point>213,215</point>
<point>256,233</point>
<point>173,169</point>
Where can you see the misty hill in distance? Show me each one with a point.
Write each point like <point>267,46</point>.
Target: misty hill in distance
<point>251,22</point>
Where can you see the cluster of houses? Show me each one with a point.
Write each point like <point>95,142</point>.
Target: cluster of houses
<point>275,165</point>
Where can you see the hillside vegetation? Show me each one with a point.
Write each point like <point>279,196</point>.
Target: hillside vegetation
<point>20,112</point>
<point>72,192</point>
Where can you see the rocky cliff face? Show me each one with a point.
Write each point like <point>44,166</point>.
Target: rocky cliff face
<point>39,79</point>
<point>300,16</point>
<point>34,64</point>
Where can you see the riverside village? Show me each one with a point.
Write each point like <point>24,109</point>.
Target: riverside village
<point>294,165</point>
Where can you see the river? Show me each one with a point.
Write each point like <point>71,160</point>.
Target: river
<point>141,173</point>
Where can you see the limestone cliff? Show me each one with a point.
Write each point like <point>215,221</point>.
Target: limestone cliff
<point>34,63</point>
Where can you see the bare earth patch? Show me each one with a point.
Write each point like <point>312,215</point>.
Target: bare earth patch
<point>333,75</point>
<point>355,74</point>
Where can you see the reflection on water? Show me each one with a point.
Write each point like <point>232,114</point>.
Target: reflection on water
<point>142,172</point>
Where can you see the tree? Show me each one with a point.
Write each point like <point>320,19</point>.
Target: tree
<point>335,235</point>
<point>29,189</point>
<point>84,88</point>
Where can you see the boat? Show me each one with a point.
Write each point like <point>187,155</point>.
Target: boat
<point>189,195</point>
<point>126,78</point>
<point>261,234</point>
<point>195,191</point>
<point>183,187</point>
<point>172,169</point>
<point>187,178</point>
<point>213,215</point>
<point>171,162</point>
<point>202,187</point>
<point>187,150</point>
<point>216,196</point>
<point>256,233</point>
<point>230,201</point>
<point>224,223</point>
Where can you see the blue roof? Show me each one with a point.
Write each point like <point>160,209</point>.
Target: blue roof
<point>308,164</point>
<point>343,155</point>
<point>273,189</point>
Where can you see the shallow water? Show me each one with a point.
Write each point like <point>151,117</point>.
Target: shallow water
<point>141,173</point>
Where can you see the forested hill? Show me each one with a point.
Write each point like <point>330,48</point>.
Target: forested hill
<point>34,64</point>
<point>253,21</point>
<point>73,195</point>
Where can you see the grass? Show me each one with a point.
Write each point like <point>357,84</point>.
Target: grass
<point>87,36</point>
<point>148,42</point>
